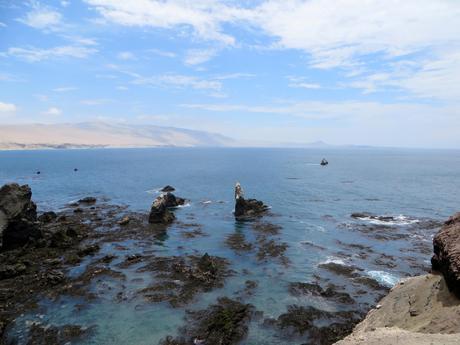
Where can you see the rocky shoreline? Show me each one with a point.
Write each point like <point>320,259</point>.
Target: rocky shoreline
<point>421,310</point>
<point>40,252</point>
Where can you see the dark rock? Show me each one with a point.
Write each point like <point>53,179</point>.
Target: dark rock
<point>446,258</point>
<point>10,271</point>
<point>124,221</point>
<point>89,250</point>
<point>55,277</point>
<point>298,289</point>
<point>224,323</point>
<point>88,200</point>
<point>47,217</point>
<point>53,335</point>
<point>18,216</point>
<point>167,188</point>
<point>247,208</point>
<point>160,213</point>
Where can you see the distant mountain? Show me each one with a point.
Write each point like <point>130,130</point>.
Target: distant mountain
<point>98,134</point>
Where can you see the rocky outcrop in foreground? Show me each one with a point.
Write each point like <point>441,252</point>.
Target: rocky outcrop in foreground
<point>417,311</point>
<point>446,258</point>
<point>160,212</point>
<point>18,216</point>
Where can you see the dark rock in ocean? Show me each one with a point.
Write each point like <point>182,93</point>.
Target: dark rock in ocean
<point>47,217</point>
<point>224,323</point>
<point>446,258</point>
<point>299,289</point>
<point>53,335</point>
<point>124,221</point>
<point>364,215</point>
<point>160,213</point>
<point>183,278</point>
<point>88,200</point>
<point>247,208</point>
<point>10,271</point>
<point>18,216</point>
<point>167,188</point>
<point>89,250</point>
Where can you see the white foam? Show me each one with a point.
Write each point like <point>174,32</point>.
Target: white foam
<point>398,220</point>
<point>384,278</point>
<point>184,205</point>
<point>334,260</point>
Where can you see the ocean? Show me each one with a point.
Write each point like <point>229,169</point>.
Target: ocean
<point>312,204</point>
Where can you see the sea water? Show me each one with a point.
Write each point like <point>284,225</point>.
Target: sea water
<point>310,202</point>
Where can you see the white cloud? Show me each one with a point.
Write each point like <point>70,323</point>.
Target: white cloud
<point>65,3</point>
<point>53,111</point>
<point>179,81</point>
<point>204,16</point>
<point>96,101</point>
<point>126,56</point>
<point>33,54</point>
<point>2,25</point>
<point>42,18</point>
<point>199,56</point>
<point>7,107</point>
<point>163,53</point>
<point>355,35</point>
<point>64,89</point>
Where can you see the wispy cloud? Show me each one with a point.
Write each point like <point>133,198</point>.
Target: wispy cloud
<point>34,54</point>
<point>42,17</point>
<point>126,56</point>
<point>96,101</point>
<point>53,111</point>
<point>163,53</point>
<point>179,81</point>
<point>199,56</point>
<point>7,107</point>
<point>65,89</point>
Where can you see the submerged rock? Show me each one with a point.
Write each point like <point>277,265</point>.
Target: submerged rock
<point>18,216</point>
<point>224,323</point>
<point>446,258</point>
<point>47,217</point>
<point>88,200</point>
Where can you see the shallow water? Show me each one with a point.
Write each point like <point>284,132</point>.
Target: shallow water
<point>312,204</point>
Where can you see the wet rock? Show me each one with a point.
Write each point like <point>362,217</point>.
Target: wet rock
<point>167,188</point>
<point>53,335</point>
<point>266,228</point>
<point>47,217</point>
<point>339,269</point>
<point>331,293</point>
<point>160,211</point>
<point>88,200</point>
<point>55,277</point>
<point>183,277</point>
<point>224,323</point>
<point>124,221</point>
<point>446,258</point>
<point>18,216</point>
<point>237,242</point>
<point>248,208</point>
<point>89,250</point>
<point>271,248</point>
<point>300,320</point>
<point>10,271</point>
<point>366,215</point>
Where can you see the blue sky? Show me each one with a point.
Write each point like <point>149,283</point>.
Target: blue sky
<point>370,72</point>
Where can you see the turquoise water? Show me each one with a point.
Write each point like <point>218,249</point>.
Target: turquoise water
<point>312,203</point>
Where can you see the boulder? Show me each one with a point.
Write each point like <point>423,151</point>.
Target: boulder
<point>47,217</point>
<point>245,208</point>
<point>172,201</point>
<point>18,216</point>
<point>446,258</point>
<point>88,200</point>
<point>159,212</point>
<point>167,188</point>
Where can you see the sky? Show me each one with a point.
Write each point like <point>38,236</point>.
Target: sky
<point>363,72</point>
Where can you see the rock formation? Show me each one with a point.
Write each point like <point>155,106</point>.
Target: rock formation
<point>247,208</point>
<point>18,216</point>
<point>446,258</point>
<point>160,212</point>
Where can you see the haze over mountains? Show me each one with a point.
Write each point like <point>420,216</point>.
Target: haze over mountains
<point>97,134</point>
